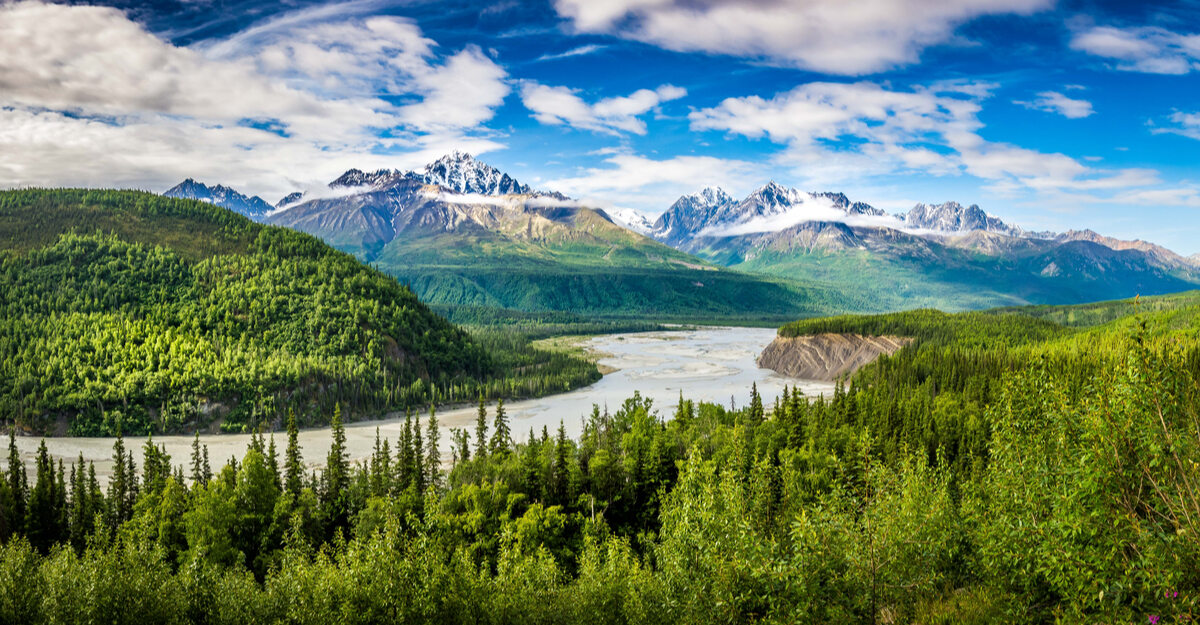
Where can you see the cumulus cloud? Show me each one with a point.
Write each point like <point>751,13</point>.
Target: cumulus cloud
<point>875,130</point>
<point>651,185</point>
<point>561,106</point>
<point>1146,49</point>
<point>1055,102</point>
<point>87,96</point>
<point>810,34</point>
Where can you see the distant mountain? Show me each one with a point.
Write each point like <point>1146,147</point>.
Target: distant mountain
<point>953,217</point>
<point>290,198</point>
<point>460,172</point>
<point>689,214</point>
<point>944,255</point>
<point>1157,251</point>
<point>253,207</point>
<point>631,219</point>
<point>462,233</point>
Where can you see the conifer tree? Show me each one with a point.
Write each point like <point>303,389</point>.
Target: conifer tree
<point>404,460</point>
<point>118,485</point>
<point>433,454</point>
<point>755,415</point>
<point>561,476</point>
<point>273,463</point>
<point>418,457</point>
<point>41,517</point>
<point>81,514</point>
<point>18,486</point>
<point>337,470</point>
<point>293,465</point>
<point>481,428</point>
<point>197,462</point>
<point>501,438</point>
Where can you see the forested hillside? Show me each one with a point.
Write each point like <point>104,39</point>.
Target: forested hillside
<point>129,311</point>
<point>1001,469</point>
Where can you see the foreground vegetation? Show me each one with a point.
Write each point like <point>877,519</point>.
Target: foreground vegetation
<point>130,311</point>
<point>1002,469</point>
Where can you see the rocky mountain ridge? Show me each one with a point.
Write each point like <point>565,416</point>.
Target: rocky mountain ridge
<point>253,207</point>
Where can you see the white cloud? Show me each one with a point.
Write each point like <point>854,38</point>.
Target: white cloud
<point>809,209</point>
<point>577,51</point>
<point>1186,124</point>
<point>89,97</point>
<point>1146,49</point>
<point>863,129</point>
<point>1055,102</point>
<point>652,185</point>
<point>561,106</point>
<point>832,36</point>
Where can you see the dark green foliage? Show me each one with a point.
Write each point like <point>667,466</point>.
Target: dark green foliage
<point>130,311</point>
<point>999,470</point>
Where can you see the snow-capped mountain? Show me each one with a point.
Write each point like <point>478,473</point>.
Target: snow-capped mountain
<point>378,179</point>
<point>689,214</point>
<point>290,198</point>
<point>631,220</point>
<point>942,255</point>
<point>950,217</point>
<point>459,171</point>
<point>252,207</point>
<point>713,213</point>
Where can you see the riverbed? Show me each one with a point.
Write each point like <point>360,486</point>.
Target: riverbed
<point>706,364</point>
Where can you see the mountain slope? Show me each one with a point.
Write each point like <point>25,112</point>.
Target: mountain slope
<point>130,311</point>
<point>478,244</point>
<point>946,255</point>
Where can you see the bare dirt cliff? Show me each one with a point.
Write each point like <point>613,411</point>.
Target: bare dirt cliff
<point>826,356</point>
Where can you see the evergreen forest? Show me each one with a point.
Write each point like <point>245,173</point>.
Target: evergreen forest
<point>1003,468</point>
<point>131,312</point>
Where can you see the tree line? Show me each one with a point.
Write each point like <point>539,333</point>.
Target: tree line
<point>1048,476</point>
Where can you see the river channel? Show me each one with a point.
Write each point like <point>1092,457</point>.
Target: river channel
<point>709,364</point>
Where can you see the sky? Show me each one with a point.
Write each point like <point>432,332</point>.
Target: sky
<point>1050,115</point>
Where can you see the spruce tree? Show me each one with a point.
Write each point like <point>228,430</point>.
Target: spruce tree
<point>417,455</point>
<point>18,486</point>
<point>293,464</point>
<point>502,437</point>
<point>481,428</point>
<point>404,458</point>
<point>118,485</point>
<point>41,517</point>
<point>561,476</point>
<point>755,415</point>
<point>337,470</point>
<point>433,455</point>
<point>197,462</point>
<point>273,463</point>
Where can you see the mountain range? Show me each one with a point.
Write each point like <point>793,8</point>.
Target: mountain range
<point>463,233</point>
<point>944,255</point>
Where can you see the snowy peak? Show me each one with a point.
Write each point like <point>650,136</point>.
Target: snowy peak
<point>252,207</point>
<point>379,179</point>
<point>461,172</point>
<point>771,206</point>
<point>709,196</point>
<point>458,171</point>
<point>954,217</point>
<point>630,219</point>
<point>690,213</point>
<point>290,198</point>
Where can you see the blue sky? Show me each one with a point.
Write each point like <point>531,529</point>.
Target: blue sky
<point>1049,115</point>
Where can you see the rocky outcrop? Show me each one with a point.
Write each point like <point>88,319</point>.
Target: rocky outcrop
<point>826,356</point>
